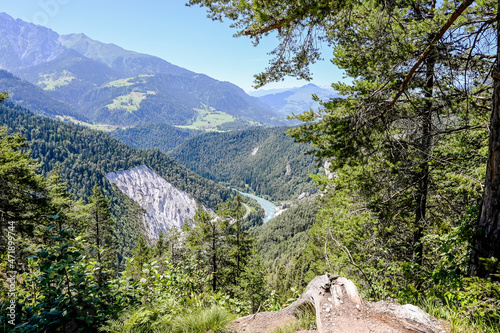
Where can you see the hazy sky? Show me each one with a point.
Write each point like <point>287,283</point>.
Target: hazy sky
<point>168,29</point>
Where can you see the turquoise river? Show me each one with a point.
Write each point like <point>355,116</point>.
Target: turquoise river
<point>268,206</point>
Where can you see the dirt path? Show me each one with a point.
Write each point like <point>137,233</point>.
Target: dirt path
<point>248,210</point>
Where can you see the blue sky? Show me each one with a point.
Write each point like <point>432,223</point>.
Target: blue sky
<point>168,29</point>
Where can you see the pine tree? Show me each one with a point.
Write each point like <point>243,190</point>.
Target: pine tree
<point>141,255</point>
<point>207,240</point>
<point>100,232</point>
<point>23,194</point>
<point>65,212</point>
<point>239,242</point>
<point>161,246</point>
<point>218,242</point>
<point>253,283</point>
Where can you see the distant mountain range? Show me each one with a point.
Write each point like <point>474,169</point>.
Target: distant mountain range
<point>294,100</point>
<point>103,83</point>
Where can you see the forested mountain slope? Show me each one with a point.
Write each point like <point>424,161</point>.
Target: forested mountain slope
<point>34,98</point>
<point>264,161</point>
<point>84,156</point>
<point>148,136</point>
<point>283,246</point>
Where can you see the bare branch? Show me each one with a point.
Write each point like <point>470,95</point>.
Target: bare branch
<point>424,55</point>
<point>262,30</point>
<point>349,257</point>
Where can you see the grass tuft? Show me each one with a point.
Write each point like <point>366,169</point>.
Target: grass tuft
<point>458,323</point>
<point>289,327</point>
<point>213,319</point>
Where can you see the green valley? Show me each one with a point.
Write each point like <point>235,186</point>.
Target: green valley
<point>209,119</point>
<point>107,84</point>
<point>83,157</point>
<point>264,161</point>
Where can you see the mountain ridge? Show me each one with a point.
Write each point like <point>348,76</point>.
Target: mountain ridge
<point>34,98</point>
<point>294,100</point>
<point>108,84</point>
<point>119,59</point>
<point>46,48</point>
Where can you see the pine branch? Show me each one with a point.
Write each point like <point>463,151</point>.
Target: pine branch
<point>262,30</point>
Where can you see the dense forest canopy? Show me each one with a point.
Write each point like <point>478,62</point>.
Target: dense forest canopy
<point>264,161</point>
<point>149,136</point>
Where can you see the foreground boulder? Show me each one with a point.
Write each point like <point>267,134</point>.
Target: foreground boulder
<point>339,308</point>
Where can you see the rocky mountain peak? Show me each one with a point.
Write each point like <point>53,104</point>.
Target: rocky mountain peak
<point>25,44</point>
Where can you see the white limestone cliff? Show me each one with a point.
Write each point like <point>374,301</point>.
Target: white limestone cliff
<point>166,205</point>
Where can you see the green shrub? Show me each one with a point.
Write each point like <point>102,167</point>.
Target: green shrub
<point>168,315</point>
<point>62,293</point>
<point>146,318</point>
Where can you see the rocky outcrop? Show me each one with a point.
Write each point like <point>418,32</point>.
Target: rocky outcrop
<point>166,206</point>
<point>328,173</point>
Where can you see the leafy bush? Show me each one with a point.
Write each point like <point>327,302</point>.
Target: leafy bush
<point>62,293</point>
<point>477,299</point>
<point>146,318</point>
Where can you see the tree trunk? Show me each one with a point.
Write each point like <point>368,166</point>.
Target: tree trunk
<point>338,307</point>
<point>214,257</point>
<point>487,242</point>
<point>425,151</point>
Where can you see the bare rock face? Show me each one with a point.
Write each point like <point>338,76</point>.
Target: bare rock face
<point>339,308</point>
<point>25,44</point>
<point>329,173</point>
<point>166,205</point>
